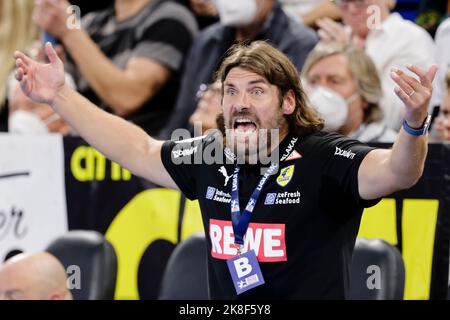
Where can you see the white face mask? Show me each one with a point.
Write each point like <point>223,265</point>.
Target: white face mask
<point>331,106</point>
<point>237,13</point>
<point>25,122</point>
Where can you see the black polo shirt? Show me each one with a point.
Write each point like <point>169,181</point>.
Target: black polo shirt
<point>304,224</point>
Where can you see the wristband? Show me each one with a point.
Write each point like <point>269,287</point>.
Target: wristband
<point>418,132</point>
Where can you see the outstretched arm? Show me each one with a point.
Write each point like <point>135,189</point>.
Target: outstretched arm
<point>383,172</point>
<point>116,138</point>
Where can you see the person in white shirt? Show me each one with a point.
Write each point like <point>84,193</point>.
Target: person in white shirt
<point>343,85</point>
<point>388,39</point>
<point>442,40</point>
<point>308,11</point>
<point>442,126</point>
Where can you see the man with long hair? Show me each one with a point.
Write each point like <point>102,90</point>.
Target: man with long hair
<point>286,232</point>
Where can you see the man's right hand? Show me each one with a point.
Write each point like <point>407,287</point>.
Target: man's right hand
<point>40,82</point>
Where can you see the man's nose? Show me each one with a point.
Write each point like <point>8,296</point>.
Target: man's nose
<point>242,102</point>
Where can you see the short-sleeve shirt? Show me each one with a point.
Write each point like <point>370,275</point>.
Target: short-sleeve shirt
<point>162,31</point>
<point>304,223</point>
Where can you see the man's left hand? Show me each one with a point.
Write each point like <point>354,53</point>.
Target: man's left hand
<point>415,93</point>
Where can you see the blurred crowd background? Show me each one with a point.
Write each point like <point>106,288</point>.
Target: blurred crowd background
<point>153,62</point>
<point>159,58</point>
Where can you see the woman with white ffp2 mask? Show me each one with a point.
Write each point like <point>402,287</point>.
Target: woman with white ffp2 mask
<point>343,84</point>
<point>332,107</point>
<point>237,13</point>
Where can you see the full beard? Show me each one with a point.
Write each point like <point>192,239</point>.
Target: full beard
<point>253,146</point>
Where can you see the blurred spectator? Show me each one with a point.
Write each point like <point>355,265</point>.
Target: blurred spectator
<point>431,13</point>
<point>442,126</point>
<point>17,32</point>
<point>209,106</point>
<point>239,21</point>
<point>38,276</point>
<point>443,55</point>
<point>90,6</point>
<point>28,117</point>
<point>205,8</point>
<point>388,39</point>
<point>308,11</point>
<point>126,59</point>
<point>205,11</point>
<point>343,85</point>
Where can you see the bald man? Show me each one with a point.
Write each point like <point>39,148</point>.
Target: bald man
<point>38,276</point>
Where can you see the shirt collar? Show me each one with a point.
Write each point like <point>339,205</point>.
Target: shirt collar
<point>284,149</point>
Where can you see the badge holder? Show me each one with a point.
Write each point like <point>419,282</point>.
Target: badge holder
<point>245,271</point>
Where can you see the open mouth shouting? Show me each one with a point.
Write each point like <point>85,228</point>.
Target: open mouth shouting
<point>244,125</point>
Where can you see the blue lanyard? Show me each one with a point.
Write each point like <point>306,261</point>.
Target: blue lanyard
<point>241,220</point>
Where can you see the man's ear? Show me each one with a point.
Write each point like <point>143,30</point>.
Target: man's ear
<point>288,102</point>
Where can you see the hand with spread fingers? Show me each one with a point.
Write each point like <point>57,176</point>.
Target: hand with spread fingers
<point>40,82</point>
<point>414,93</point>
<point>332,31</point>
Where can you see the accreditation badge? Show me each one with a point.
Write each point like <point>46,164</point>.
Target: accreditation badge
<point>245,272</point>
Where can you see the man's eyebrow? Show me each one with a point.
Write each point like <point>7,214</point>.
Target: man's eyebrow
<point>252,82</point>
<point>264,81</point>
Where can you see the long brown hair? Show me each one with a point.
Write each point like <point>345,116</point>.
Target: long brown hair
<point>263,59</point>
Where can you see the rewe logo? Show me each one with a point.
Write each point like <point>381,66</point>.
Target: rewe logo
<point>223,171</point>
<point>344,153</point>
<point>266,239</point>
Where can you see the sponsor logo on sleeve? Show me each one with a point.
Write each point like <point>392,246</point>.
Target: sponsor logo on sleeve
<point>344,153</point>
<point>266,239</point>
<point>184,152</point>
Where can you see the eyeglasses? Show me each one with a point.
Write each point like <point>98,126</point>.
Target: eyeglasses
<point>345,3</point>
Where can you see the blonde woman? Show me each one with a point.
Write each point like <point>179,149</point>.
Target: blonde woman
<point>17,31</point>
